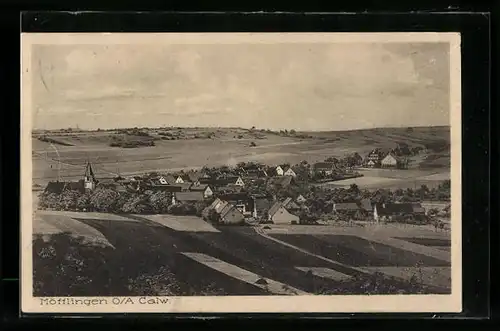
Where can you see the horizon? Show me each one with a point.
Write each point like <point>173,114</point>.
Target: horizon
<point>239,128</point>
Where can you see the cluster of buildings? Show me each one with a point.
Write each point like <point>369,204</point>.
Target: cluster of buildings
<point>380,158</point>
<point>232,205</point>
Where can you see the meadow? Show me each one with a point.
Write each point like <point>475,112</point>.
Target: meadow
<point>153,255</point>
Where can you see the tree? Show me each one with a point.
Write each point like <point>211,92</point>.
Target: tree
<point>104,200</point>
<point>159,202</point>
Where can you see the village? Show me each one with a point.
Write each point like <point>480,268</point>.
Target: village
<point>252,193</point>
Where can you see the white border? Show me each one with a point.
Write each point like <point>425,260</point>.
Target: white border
<point>244,304</point>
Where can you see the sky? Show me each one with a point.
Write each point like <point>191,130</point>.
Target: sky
<point>308,87</point>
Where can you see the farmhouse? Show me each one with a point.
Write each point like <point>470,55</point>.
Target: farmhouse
<point>291,205</point>
<point>187,197</point>
<point>279,171</point>
<point>393,161</point>
<point>374,157</point>
<point>59,187</point>
<point>289,172</point>
<point>242,201</point>
<point>278,214</point>
<point>326,168</point>
<point>389,161</point>
<point>347,208</point>
<point>226,212</point>
<point>392,211</point>
<point>255,174</point>
<point>206,189</point>
<point>281,182</point>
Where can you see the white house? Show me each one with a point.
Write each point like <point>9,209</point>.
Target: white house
<point>389,161</point>
<point>279,171</point>
<point>206,189</point>
<point>179,180</point>
<point>290,172</point>
<point>279,215</point>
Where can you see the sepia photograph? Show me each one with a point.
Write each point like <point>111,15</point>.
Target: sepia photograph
<point>241,172</point>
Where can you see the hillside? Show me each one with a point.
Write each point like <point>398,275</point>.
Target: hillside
<point>176,148</point>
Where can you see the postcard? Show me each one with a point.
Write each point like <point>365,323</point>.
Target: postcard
<point>241,172</point>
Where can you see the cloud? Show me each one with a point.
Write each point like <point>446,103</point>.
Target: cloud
<point>289,85</point>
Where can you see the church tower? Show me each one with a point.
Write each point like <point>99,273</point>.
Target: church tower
<point>89,179</point>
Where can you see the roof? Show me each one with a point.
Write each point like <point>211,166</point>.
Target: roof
<point>283,181</point>
<point>366,204</point>
<point>274,208</point>
<point>184,186</point>
<point>324,165</point>
<point>59,187</point>
<point>168,188</point>
<point>262,204</point>
<point>235,196</point>
<point>289,203</point>
<point>346,206</point>
<point>189,196</point>
<point>399,208</point>
<point>201,187</point>
<point>392,155</point>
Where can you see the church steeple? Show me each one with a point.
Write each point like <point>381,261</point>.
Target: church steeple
<point>89,178</point>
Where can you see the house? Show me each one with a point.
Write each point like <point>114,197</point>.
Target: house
<point>206,189</point>
<point>59,187</point>
<point>300,199</point>
<point>226,212</point>
<point>187,197</point>
<point>374,157</point>
<point>230,180</point>
<point>283,181</point>
<point>389,161</point>
<point>289,172</point>
<point>279,171</point>
<point>242,201</point>
<point>255,174</point>
<point>291,205</point>
<point>326,168</point>
<point>391,211</point>
<point>278,214</point>
<point>346,208</point>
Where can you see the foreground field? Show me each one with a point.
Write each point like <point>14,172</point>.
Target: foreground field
<point>224,147</point>
<point>163,255</point>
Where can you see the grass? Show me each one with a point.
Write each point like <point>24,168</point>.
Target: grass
<point>431,242</point>
<point>355,251</point>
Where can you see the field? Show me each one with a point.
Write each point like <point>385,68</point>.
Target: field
<point>166,255</point>
<point>193,149</point>
<point>394,179</point>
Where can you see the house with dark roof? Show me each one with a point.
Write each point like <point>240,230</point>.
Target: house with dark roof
<point>242,201</point>
<point>226,212</point>
<point>283,181</point>
<point>291,205</point>
<point>180,197</point>
<point>393,211</point>
<point>59,187</point>
<point>326,168</point>
<point>206,189</point>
